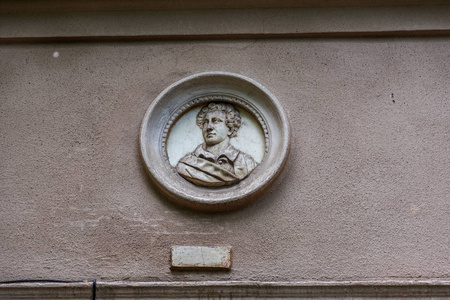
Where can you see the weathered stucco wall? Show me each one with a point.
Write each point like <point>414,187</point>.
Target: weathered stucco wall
<point>365,194</point>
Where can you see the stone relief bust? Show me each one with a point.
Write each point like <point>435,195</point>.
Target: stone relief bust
<point>212,169</point>
<point>216,162</point>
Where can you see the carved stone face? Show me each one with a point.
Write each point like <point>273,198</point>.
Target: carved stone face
<point>214,128</point>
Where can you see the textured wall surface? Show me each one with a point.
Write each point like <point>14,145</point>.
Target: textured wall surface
<point>365,193</point>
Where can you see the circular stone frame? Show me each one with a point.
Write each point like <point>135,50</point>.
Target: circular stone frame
<point>200,89</point>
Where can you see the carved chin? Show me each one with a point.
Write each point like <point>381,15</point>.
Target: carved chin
<point>211,141</point>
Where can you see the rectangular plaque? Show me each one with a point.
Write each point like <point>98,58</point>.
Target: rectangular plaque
<point>200,258</point>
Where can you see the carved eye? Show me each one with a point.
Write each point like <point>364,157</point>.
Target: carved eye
<point>222,161</point>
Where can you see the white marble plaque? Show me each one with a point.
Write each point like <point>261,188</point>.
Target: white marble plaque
<point>196,257</point>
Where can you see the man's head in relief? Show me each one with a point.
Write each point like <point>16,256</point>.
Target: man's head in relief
<point>219,122</point>
<point>216,162</point>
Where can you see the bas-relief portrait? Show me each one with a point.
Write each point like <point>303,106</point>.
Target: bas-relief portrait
<point>212,141</point>
<point>216,162</point>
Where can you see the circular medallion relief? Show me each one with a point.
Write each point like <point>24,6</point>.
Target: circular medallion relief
<point>214,141</point>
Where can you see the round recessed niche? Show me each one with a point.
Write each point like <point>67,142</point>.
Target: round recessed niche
<point>214,141</point>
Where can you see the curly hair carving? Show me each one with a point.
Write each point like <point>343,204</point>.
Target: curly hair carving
<point>233,120</point>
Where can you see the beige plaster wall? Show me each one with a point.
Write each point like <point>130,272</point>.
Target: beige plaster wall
<point>365,194</point>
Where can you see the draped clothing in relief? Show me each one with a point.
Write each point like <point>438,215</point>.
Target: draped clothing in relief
<point>203,168</point>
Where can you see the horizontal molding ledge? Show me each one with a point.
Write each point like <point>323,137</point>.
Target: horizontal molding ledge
<point>250,23</point>
<point>35,6</point>
<point>178,290</point>
<point>94,39</point>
